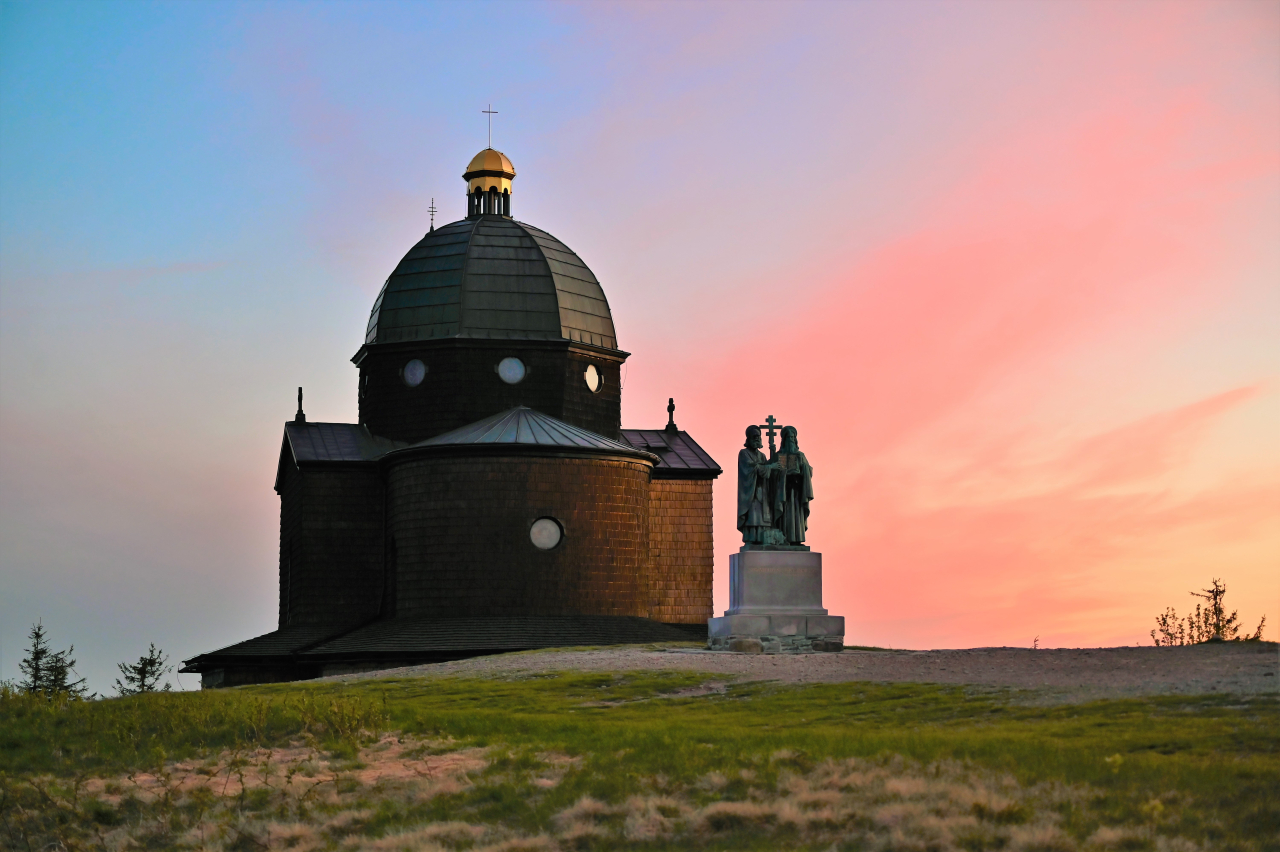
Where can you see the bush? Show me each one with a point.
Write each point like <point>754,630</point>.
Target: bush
<point>1207,624</point>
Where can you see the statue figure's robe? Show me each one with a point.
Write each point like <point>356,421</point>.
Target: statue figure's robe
<point>792,493</point>
<point>754,491</point>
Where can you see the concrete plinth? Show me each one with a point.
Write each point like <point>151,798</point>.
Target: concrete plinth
<point>775,605</point>
<point>775,582</point>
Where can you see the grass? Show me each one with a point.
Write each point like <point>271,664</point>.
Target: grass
<point>639,761</point>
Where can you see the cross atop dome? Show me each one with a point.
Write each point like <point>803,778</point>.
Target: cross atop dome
<point>488,178</point>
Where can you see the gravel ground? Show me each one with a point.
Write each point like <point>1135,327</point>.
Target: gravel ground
<point>1067,674</point>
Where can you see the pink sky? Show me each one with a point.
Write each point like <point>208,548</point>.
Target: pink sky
<point>1044,401</point>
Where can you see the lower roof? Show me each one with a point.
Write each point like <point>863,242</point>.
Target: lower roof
<point>410,635</point>
<point>524,426</point>
<point>399,639</point>
<point>678,456</point>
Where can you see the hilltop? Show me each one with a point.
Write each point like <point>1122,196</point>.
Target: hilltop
<point>663,748</point>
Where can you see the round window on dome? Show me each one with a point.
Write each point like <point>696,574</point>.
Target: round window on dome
<point>594,380</point>
<point>546,533</point>
<point>413,373</point>
<point>511,370</point>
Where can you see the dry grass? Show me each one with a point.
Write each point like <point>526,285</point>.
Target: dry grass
<point>299,798</point>
<point>654,761</point>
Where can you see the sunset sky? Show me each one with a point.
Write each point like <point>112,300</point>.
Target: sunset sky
<point>1011,269</point>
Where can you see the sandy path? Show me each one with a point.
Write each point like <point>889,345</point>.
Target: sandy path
<point>1067,674</point>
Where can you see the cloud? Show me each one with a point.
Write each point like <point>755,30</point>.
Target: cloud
<point>943,377</point>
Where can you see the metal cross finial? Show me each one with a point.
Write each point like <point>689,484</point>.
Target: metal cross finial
<point>491,112</point>
<point>671,415</point>
<point>770,428</point>
<point>432,211</point>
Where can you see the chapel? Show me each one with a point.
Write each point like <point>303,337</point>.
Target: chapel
<point>488,499</point>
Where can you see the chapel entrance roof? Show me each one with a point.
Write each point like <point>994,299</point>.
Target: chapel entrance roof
<point>526,427</point>
<point>680,457</point>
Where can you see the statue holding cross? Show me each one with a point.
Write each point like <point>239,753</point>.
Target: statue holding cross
<point>774,492</point>
<point>775,579</point>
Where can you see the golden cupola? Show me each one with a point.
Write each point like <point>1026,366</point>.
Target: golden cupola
<point>488,178</point>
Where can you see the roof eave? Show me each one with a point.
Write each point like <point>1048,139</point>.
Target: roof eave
<point>285,444</point>
<point>605,352</point>
<point>536,450</point>
<point>686,473</point>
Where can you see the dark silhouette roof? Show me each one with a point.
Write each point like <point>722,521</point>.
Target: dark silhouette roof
<point>335,442</point>
<point>679,455</point>
<point>329,443</point>
<point>405,640</point>
<point>491,277</point>
<point>410,635</point>
<point>353,443</point>
<point>521,425</point>
<point>283,642</point>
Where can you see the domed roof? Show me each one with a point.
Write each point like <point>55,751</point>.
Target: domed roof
<point>490,160</point>
<point>491,277</point>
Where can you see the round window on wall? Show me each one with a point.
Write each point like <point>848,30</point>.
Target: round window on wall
<point>546,533</point>
<point>413,373</point>
<point>511,370</point>
<point>593,377</point>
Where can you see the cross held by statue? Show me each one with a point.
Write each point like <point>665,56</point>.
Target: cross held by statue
<point>770,428</point>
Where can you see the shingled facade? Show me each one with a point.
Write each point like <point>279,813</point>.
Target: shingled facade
<point>488,500</point>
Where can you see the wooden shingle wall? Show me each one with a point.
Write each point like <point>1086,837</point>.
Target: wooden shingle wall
<point>681,551</point>
<point>461,535</point>
<point>330,545</point>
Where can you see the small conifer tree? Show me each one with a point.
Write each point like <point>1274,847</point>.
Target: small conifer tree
<point>144,675</point>
<point>35,665</point>
<point>49,672</point>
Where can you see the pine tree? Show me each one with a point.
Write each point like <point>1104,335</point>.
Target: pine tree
<point>61,667</point>
<point>35,666</point>
<point>49,672</point>
<point>144,675</point>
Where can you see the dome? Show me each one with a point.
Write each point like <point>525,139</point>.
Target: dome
<point>491,277</point>
<point>490,160</point>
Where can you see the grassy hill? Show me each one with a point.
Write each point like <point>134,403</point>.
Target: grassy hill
<point>638,760</point>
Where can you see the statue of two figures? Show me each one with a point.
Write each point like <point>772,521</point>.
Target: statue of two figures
<point>773,492</point>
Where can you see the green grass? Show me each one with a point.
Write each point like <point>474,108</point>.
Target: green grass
<point>1206,769</point>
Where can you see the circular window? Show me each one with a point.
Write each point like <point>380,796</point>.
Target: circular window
<point>413,373</point>
<point>511,370</point>
<point>593,377</point>
<point>545,533</point>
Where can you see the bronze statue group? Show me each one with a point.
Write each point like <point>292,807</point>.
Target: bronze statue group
<point>773,492</point>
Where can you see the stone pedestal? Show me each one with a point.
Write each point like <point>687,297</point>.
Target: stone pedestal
<point>775,605</point>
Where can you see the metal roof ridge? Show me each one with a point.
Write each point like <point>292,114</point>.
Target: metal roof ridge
<point>527,423</point>
<point>491,433</point>
<point>462,291</point>
<point>555,287</point>
<point>540,431</point>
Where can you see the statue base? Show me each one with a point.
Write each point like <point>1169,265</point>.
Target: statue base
<point>775,605</point>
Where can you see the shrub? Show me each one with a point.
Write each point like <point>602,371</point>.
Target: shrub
<point>1209,622</point>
